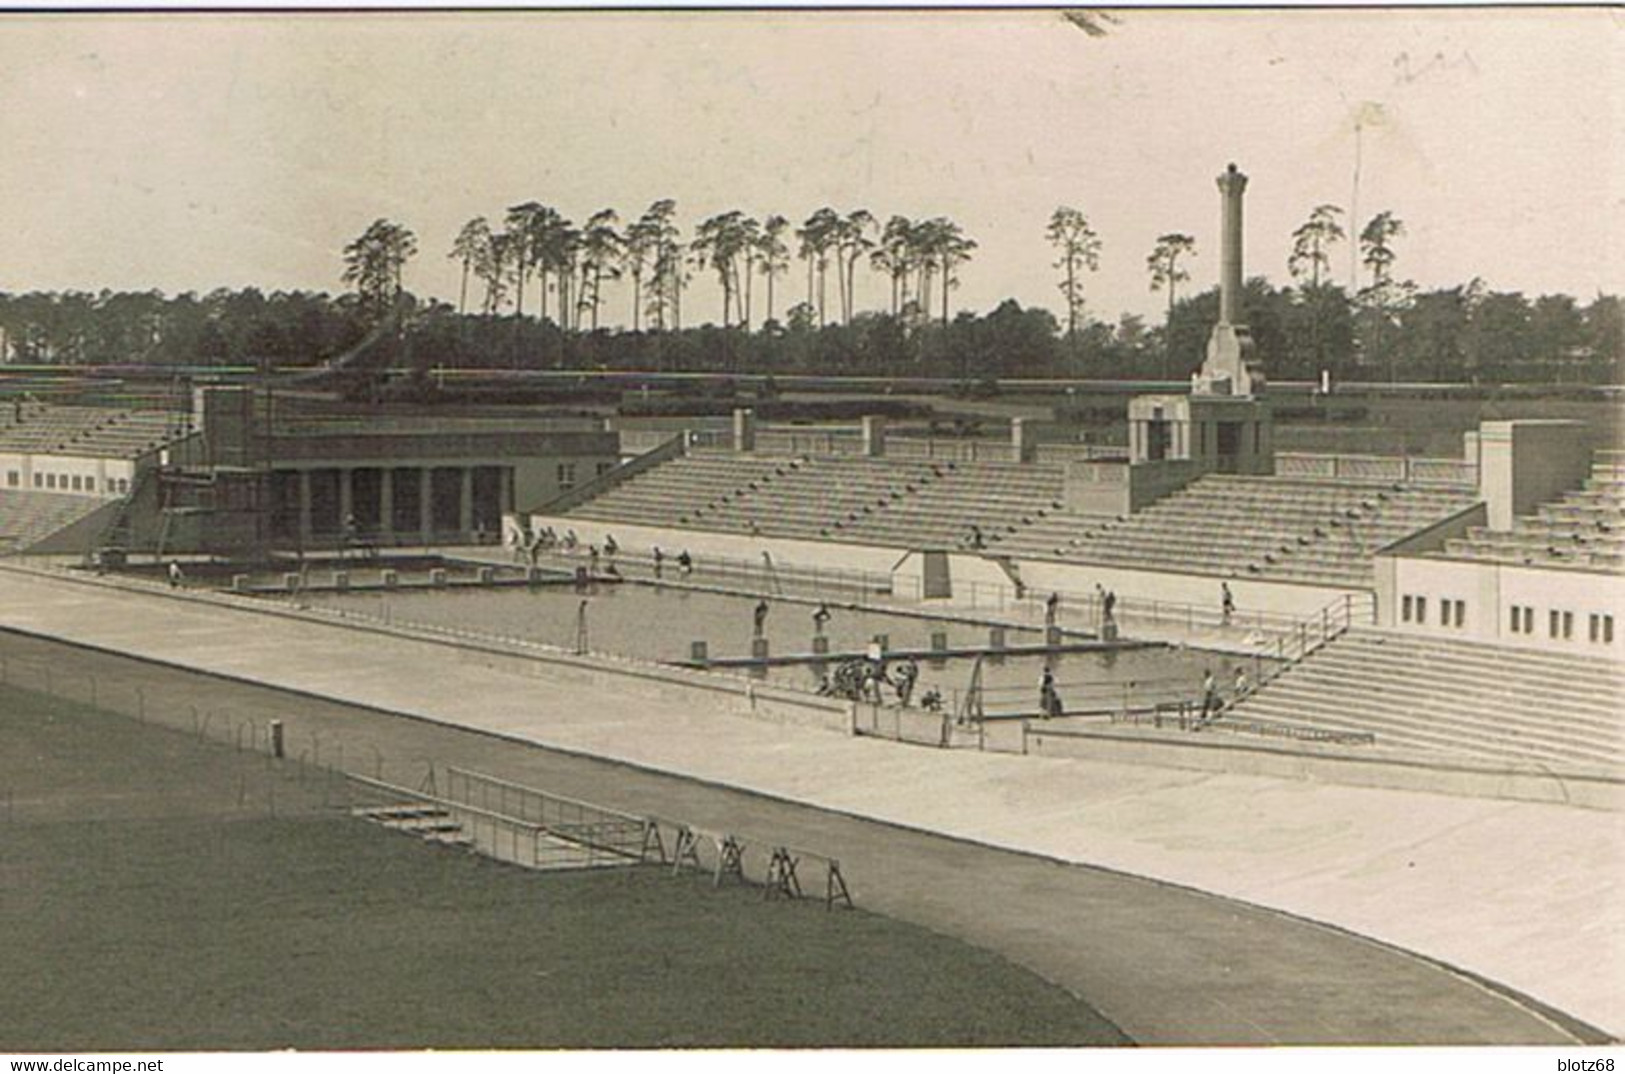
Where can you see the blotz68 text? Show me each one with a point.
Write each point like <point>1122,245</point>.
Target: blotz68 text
<point>1584,1066</point>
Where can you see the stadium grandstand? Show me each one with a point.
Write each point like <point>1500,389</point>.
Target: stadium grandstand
<point>64,464</point>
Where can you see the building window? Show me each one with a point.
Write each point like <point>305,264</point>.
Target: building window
<point>1517,619</point>
<point>1552,620</point>
<point>90,484</point>
<point>567,474</point>
<point>13,478</point>
<point>1407,609</point>
<point>78,483</point>
<point>1568,625</point>
<point>50,481</point>
<point>1529,620</point>
<point>1455,613</point>
<point>1608,630</point>
<point>39,480</point>
<point>1421,609</point>
<point>604,468</point>
<point>1595,625</point>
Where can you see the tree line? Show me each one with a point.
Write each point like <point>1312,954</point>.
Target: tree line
<point>1386,329</point>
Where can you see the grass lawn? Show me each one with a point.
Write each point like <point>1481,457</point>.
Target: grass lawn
<point>151,899</point>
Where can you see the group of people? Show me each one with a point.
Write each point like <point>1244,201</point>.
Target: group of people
<point>863,679</point>
<point>1213,703</point>
<point>529,546</point>
<point>685,562</point>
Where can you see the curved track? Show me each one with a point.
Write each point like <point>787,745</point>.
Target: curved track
<point>1160,964</point>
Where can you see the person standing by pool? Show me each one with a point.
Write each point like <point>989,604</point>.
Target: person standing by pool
<point>174,574</point>
<point>907,674</point>
<point>760,616</point>
<point>1227,602</point>
<point>685,563</point>
<point>1210,696</point>
<point>660,560</point>
<point>1049,698</point>
<point>1052,609</point>
<point>820,617</point>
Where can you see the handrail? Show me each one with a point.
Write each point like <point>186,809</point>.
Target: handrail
<point>1180,716</point>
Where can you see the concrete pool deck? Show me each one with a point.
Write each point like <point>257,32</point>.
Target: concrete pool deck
<point>1525,894</point>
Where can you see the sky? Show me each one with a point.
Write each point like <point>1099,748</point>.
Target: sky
<point>188,152</point>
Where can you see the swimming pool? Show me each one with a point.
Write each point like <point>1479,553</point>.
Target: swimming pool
<point>661,623</point>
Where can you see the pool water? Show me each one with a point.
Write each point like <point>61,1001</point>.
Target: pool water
<point>661,623</point>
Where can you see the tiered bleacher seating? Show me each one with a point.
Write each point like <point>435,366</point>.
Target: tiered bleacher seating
<point>901,503</point>
<point>998,498</point>
<point>1262,527</point>
<point>27,517</point>
<point>827,497</point>
<point>1585,530</point>
<point>96,432</point>
<point>1464,699</point>
<point>684,490</point>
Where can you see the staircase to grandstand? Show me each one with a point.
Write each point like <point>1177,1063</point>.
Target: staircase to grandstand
<point>1264,527</point>
<point>1455,699</point>
<point>1584,530</point>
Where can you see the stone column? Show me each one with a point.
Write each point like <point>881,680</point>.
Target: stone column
<point>425,505</point>
<point>874,435</point>
<point>465,502</point>
<point>744,430</point>
<point>1021,440</point>
<point>1232,184</point>
<point>386,503</point>
<point>346,495</point>
<point>304,507</point>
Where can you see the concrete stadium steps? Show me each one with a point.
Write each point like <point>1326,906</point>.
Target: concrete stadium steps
<point>1582,530</point>
<point>684,486</point>
<point>1249,526</point>
<point>1324,532</point>
<point>428,822</point>
<point>906,503</point>
<point>1058,534</point>
<point>1465,699</point>
<point>49,428</point>
<point>28,517</point>
<point>997,498</point>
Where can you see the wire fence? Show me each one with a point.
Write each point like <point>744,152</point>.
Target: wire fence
<point>294,767</point>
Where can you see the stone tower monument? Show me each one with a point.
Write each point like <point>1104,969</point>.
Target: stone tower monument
<point>1224,424</point>
<point>1231,368</point>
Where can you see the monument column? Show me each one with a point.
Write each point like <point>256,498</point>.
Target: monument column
<point>1232,184</point>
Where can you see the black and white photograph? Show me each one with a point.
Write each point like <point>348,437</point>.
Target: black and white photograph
<point>812,534</point>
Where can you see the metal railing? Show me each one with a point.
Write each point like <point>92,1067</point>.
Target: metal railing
<point>1187,716</point>
<point>597,828</point>
<point>758,576</point>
